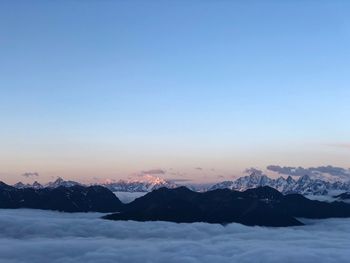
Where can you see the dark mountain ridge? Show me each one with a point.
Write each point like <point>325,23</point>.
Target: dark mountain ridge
<point>75,198</point>
<point>262,206</point>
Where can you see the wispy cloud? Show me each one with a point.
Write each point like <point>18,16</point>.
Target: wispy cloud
<point>30,174</point>
<point>179,180</point>
<point>154,171</point>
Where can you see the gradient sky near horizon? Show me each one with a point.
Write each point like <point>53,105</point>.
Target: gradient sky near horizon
<point>107,89</point>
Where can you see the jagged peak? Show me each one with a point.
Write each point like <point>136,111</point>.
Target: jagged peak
<point>147,178</point>
<point>59,179</point>
<point>303,185</point>
<point>290,179</point>
<point>304,178</point>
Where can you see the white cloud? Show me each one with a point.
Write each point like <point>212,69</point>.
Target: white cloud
<point>39,236</point>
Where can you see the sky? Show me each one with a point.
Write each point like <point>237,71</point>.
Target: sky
<point>107,89</point>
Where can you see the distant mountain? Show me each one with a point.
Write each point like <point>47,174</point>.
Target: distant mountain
<point>57,183</point>
<point>145,183</point>
<point>60,182</point>
<point>21,185</point>
<point>35,185</point>
<point>262,206</point>
<point>304,185</point>
<point>75,198</point>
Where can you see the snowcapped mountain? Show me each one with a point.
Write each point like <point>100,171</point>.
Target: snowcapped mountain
<point>21,185</point>
<point>305,185</point>
<point>145,183</point>
<point>60,182</point>
<point>35,185</point>
<point>57,183</point>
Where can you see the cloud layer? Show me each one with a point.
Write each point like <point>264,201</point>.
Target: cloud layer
<point>36,236</point>
<point>300,171</point>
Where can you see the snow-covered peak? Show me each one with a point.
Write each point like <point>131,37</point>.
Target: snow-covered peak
<point>21,185</point>
<point>60,182</point>
<point>142,183</point>
<point>147,178</point>
<point>304,179</point>
<point>57,183</point>
<point>290,180</point>
<point>37,185</point>
<point>256,177</point>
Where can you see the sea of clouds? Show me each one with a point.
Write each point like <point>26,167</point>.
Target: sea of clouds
<point>45,236</point>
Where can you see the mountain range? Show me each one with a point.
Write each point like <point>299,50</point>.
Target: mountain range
<point>57,183</point>
<point>305,185</point>
<point>144,183</point>
<point>263,206</point>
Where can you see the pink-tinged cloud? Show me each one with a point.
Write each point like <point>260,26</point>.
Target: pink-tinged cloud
<point>154,171</point>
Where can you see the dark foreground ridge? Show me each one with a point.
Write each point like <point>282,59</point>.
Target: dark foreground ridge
<point>262,206</point>
<point>67,199</point>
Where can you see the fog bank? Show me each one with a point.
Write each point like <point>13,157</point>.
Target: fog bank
<point>42,236</point>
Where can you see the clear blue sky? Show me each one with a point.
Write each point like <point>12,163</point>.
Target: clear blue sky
<point>109,88</point>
